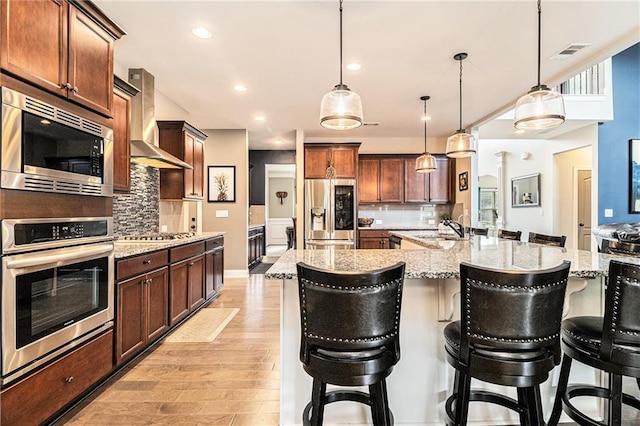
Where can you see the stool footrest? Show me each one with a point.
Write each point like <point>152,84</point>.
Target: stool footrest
<point>484,396</point>
<point>341,395</point>
<point>594,391</point>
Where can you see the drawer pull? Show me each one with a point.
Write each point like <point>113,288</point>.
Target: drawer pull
<point>190,264</point>
<point>68,379</point>
<point>146,262</point>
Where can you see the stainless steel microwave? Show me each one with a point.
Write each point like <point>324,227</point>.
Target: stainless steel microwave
<point>45,148</point>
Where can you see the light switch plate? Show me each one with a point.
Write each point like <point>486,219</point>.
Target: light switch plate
<point>222,213</point>
<point>608,212</point>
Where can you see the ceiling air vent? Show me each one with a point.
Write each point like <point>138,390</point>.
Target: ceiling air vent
<point>571,49</point>
<point>371,123</point>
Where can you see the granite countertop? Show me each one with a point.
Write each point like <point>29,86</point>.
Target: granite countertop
<point>126,248</point>
<point>441,258</point>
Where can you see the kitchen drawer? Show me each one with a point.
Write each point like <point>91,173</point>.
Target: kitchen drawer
<point>213,243</point>
<point>184,252</point>
<point>377,233</point>
<point>36,398</point>
<point>141,264</point>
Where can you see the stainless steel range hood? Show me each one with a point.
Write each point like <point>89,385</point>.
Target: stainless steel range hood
<point>143,125</point>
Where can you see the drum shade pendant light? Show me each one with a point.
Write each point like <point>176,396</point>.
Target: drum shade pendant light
<point>541,107</point>
<point>341,109</point>
<point>461,144</point>
<point>426,163</point>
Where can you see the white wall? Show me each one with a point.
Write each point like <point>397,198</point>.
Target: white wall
<point>540,160</point>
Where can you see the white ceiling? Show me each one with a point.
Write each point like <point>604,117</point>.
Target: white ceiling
<point>287,54</point>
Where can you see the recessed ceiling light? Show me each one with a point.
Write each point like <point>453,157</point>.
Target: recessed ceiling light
<point>278,141</point>
<point>201,32</point>
<point>239,88</point>
<point>519,131</point>
<point>354,66</point>
<point>45,122</point>
<point>425,118</point>
<point>259,118</point>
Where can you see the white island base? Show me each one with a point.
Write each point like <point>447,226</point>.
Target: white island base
<point>421,382</point>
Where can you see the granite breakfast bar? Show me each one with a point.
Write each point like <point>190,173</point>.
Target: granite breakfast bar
<point>421,381</point>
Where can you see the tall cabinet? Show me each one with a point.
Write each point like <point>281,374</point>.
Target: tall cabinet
<point>184,141</point>
<point>122,94</point>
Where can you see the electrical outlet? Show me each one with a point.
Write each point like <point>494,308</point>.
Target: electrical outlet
<point>608,212</point>
<point>163,228</point>
<point>378,221</point>
<point>222,213</point>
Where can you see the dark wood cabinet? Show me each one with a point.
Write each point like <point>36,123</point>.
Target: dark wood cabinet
<point>184,141</point>
<point>142,304</point>
<point>121,111</point>
<point>380,179</point>
<point>434,188</point>
<point>186,280</point>
<point>373,239</point>
<point>214,266</point>
<point>64,47</point>
<point>255,246</point>
<point>36,398</point>
<point>343,158</point>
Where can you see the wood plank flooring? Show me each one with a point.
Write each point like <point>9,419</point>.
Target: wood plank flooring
<point>233,380</point>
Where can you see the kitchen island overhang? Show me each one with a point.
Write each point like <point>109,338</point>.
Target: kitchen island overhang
<point>422,380</point>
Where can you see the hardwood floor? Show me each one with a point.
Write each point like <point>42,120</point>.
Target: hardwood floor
<point>233,380</point>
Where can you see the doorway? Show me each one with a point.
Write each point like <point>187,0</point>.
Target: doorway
<point>280,205</point>
<point>583,197</point>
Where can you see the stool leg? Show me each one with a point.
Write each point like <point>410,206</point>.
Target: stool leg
<point>534,406</point>
<point>613,415</point>
<point>380,404</point>
<point>462,398</point>
<point>317,402</point>
<point>560,391</point>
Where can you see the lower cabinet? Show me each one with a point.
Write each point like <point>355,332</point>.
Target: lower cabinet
<point>143,312</point>
<point>186,280</point>
<point>213,266</point>
<point>373,239</point>
<point>38,397</point>
<point>256,246</point>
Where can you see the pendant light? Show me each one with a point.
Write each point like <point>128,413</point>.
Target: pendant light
<point>461,144</point>
<point>426,163</point>
<point>541,107</point>
<point>341,109</point>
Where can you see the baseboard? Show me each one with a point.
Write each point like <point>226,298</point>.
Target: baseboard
<point>236,273</point>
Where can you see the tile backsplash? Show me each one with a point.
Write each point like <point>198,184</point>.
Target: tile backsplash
<point>137,212</point>
<point>409,215</point>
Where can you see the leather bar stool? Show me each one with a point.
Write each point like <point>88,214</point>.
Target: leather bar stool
<point>610,343</point>
<point>509,235</point>
<point>516,345</point>
<point>350,324</point>
<point>479,231</point>
<point>549,240</point>
<point>622,248</point>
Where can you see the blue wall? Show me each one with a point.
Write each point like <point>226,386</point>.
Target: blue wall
<point>613,139</point>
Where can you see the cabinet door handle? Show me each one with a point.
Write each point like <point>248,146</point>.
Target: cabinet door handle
<point>146,262</point>
<point>190,264</point>
<point>68,379</point>
<point>65,86</point>
<point>150,280</point>
<point>74,89</point>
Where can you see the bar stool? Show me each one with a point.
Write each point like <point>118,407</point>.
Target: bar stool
<point>350,324</point>
<point>516,345</point>
<point>479,231</point>
<point>622,248</point>
<point>550,240</point>
<point>509,235</point>
<point>610,343</point>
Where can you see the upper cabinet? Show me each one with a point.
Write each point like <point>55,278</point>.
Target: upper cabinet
<point>65,47</point>
<point>380,179</point>
<point>434,188</point>
<point>184,141</point>
<point>343,157</point>
<point>121,110</point>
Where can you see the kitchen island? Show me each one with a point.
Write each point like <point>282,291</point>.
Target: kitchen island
<point>422,380</point>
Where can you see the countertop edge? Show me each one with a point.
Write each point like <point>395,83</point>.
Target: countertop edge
<point>123,249</point>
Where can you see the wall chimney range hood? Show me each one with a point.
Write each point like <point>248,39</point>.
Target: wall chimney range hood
<point>143,125</point>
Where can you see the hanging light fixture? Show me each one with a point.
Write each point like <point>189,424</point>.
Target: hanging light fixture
<point>341,109</point>
<point>541,107</point>
<point>461,144</point>
<point>426,163</point>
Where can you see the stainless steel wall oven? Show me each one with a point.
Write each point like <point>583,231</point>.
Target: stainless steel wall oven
<point>45,148</point>
<point>57,288</point>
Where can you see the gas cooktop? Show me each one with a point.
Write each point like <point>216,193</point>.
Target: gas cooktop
<point>161,236</point>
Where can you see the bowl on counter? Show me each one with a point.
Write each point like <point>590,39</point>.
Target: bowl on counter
<point>365,221</point>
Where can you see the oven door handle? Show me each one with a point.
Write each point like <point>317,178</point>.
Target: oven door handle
<point>46,258</point>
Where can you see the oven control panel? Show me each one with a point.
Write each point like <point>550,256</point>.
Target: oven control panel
<point>27,234</point>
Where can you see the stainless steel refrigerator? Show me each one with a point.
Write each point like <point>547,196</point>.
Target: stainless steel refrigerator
<point>330,217</point>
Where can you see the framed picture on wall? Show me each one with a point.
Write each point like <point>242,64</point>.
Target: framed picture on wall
<point>634,176</point>
<point>463,181</point>
<point>221,184</point>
